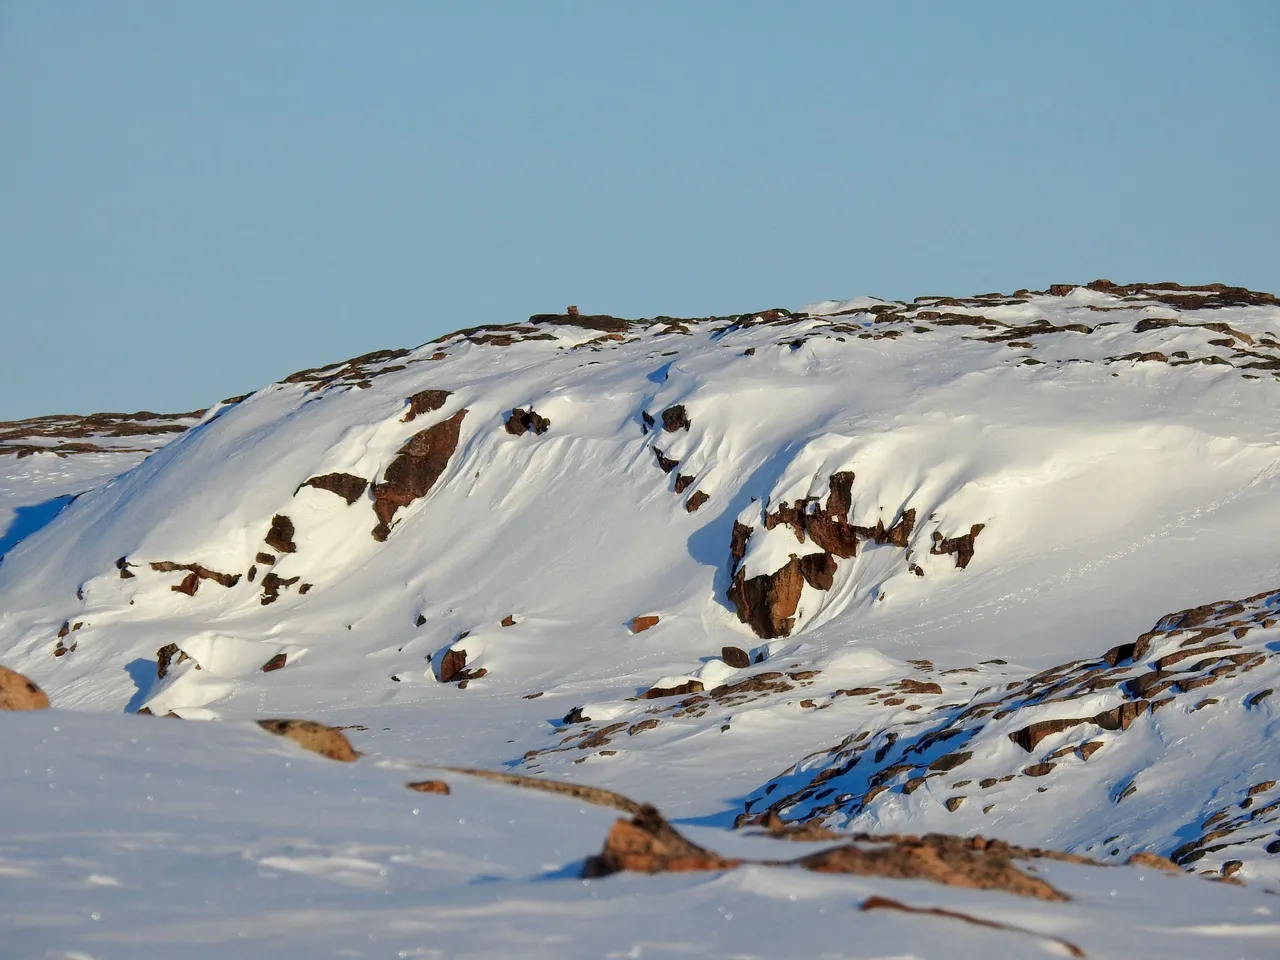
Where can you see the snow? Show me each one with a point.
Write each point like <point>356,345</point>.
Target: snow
<point>1112,491</point>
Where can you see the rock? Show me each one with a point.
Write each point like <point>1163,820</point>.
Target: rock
<point>735,657</point>
<point>768,602</point>
<point>19,693</point>
<point>642,726</point>
<point>348,486</point>
<point>695,501</point>
<point>641,624</point>
<point>1145,859</point>
<point>415,469</point>
<point>425,401</point>
<point>953,803</point>
<point>275,663</point>
<point>521,421</point>
<point>272,584</point>
<point>918,687</point>
<point>683,482</point>
<point>575,716</point>
<point>267,559</point>
<point>327,741</point>
<point>429,786</point>
<point>648,844</point>
<point>953,861</point>
<point>1029,737</point>
<point>122,564</point>
<point>165,658</point>
<point>202,572</point>
<point>818,570</point>
<point>452,664</point>
<point>840,495</point>
<point>1038,769</point>
<point>280,536</point>
<point>654,693</point>
<point>665,464</point>
<point>508,621</point>
<point>189,585</point>
<point>675,418</point>
<point>961,547</point>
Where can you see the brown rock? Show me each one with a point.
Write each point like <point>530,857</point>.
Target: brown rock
<point>415,469</point>
<point>961,547</point>
<point>1029,737</point>
<point>1121,717</point>
<point>735,657</point>
<point>694,502</point>
<point>425,401</point>
<point>521,421</point>
<point>19,693</point>
<point>641,624</point>
<point>508,621</point>
<point>683,482</point>
<point>953,861</point>
<point>280,536</point>
<point>327,741</point>
<point>918,687</point>
<point>675,418</point>
<point>654,693</point>
<point>767,603</point>
<point>953,803</point>
<point>648,844</point>
<point>642,726</point>
<point>885,903</point>
<point>1087,750</point>
<point>272,584</point>
<point>348,486</point>
<point>165,658</point>
<point>275,663</point>
<point>665,464</point>
<point>840,495</point>
<point>1038,769</point>
<point>265,558</point>
<point>189,585</point>
<point>429,786</point>
<point>452,664</point>
<point>818,570</point>
<point>1145,859</point>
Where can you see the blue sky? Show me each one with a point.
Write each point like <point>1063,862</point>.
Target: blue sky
<point>197,199</point>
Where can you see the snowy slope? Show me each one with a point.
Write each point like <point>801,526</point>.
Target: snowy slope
<point>863,486</point>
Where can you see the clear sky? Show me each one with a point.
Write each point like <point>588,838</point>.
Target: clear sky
<point>199,198</point>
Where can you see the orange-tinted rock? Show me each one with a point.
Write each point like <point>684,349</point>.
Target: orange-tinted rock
<point>429,786</point>
<point>735,657</point>
<point>189,585</point>
<point>166,656</point>
<point>275,663</point>
<point>416,468</point>
<point>19,693</point>
<point>327,741</point>
<point>508,621</point>
<point>768,602</point>
<point>840,495</point>
<point>201,572</point>
<point>648,844</point>
<point>641,624</point>
<point>918,687</point>
<point>452,664</point>
<point>348,486</point>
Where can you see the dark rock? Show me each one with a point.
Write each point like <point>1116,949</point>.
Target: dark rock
<point>818,570</point>
<point>452,664</point>
<point>416,468</point>
<point>348,486</point>
<point>521,421</point>
<point>425,401</point>
<point>275,663</point>
<point>695,501</point>
<point>768,602</point>
<point>280,536</point>
<point>675,418</point>
<point>735,657</point>
<point>961,547</point>
<point>655,693</point>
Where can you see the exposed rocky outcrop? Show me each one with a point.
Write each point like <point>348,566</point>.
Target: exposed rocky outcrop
<point>327,741</point>
<point>416,468</point>
<point>425,401</point>
<point>521,421</point>
<point>195,573</point>
<point>280,536</point>
<point>960,547</point>
<point>675,418</point>
<point>767,603</point>
<point>19,693</point>
<point>348,486</point>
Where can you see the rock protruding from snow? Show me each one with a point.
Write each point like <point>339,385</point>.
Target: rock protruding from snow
<point>19,693</point>
<point>414,471</point>
<point>327,741</point>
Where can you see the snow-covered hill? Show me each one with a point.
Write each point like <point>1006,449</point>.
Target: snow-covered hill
<point>836,565</point>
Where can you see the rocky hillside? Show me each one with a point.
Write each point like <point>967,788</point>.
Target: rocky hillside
<point>873,565</point>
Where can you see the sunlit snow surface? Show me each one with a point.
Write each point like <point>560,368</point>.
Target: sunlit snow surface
<point>1113,491</point>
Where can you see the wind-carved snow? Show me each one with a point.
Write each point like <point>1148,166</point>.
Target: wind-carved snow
<point>1075,465</point>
